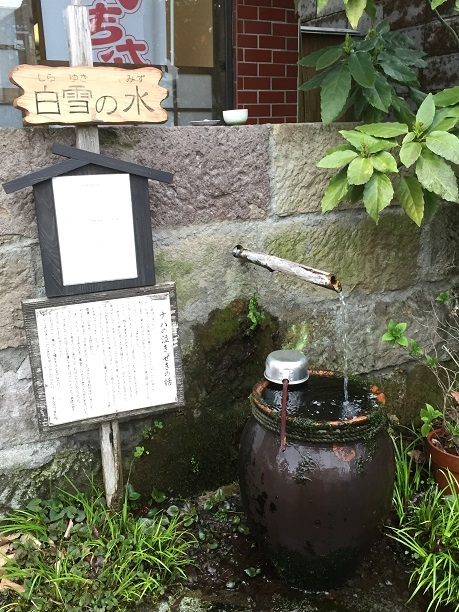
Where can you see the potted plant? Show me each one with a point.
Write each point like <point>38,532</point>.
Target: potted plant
<point>440,425</point>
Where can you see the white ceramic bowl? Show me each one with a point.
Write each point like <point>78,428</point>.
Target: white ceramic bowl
<point>235,116</point>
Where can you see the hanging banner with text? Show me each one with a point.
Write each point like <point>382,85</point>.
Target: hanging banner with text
<point>89,95</point>
<point>103,356</point>
<point>122,31</point>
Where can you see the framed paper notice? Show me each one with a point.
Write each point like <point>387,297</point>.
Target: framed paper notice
<point>104,356</point>
<point>104,219</point>
<point>95,231</point>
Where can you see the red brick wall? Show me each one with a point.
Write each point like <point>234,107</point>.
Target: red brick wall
<point>266,56</point>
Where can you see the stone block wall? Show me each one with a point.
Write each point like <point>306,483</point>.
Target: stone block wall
<point>252,185</point>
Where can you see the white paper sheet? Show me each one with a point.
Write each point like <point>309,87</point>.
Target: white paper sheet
<point>107,357</point>
<point>95,228</point>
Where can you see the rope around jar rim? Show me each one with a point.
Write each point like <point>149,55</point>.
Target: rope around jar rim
<point>300,428</point>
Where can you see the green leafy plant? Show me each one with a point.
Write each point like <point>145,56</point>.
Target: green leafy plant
<point>73,552</point>
<point>429,417</point>
<point>365,74</point>
<point>412,160</point>
<point>446,372</point>
<point>149,431</point>
<point>409,480</point>
<point>429,533</point>
<point>255,313</point>
<point>394,334</point>
<point>422,161</point>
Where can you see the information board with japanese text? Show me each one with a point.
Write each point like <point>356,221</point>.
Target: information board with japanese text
<point>104,355</point>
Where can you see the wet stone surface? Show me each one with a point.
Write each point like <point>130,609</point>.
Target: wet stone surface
<point>231,575</point>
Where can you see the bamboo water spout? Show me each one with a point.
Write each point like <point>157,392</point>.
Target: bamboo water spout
<point>272,263</point>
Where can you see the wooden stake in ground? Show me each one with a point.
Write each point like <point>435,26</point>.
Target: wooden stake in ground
<point>87,138</point>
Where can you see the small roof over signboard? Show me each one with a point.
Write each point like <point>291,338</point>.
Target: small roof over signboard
<point>77,158</point>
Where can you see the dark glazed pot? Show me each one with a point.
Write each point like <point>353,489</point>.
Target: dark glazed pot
<point>317,507</point>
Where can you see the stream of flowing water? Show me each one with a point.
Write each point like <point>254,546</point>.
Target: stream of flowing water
<point>345,355</point>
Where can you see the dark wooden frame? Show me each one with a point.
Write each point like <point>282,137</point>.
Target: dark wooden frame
<point>49,237</point>
<point>30,306</point>
<point>82,162</point>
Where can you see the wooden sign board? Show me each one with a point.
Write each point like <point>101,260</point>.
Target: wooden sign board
<point>104,356</point>
<point>94,225</point>
<point>89,95</point>
<point>95,231</point>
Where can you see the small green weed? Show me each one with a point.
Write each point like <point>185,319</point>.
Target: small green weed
<point>149,431</point>
<point>72,552</point>
<point>255,313</point>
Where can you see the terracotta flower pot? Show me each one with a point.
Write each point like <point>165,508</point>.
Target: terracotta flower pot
<point>443,462</point>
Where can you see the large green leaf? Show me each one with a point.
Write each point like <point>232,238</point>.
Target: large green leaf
<point>383,130</point>
<point>411,197</point>
<point>380,95</point>
<point>398,71</point>
<point>384,162</point>
<point>453,111</point>
<point>342,147</point>
<point>378,194</point>
<point>357,139</point>
<point>409,153</point>
<point>362,141</point>
<point>381,145</point>
<point>402,110</point>
<point>446,125</point>
<point>316,81</point>
<point>436,175</point>
<point>412,57</point>
<point>335,90</point>
<point>444,144</point>
<point>329,57</point>
<point>312,59</point>
<point>409,137</point>
<point>361,68</point>
<point>354,10</point>
<point>447,97</point>
<point>443,116</point>
<point>336,191</point>
<point>383,27</point>
<point>359,171</point>
<point>365,44</point>
<point>373,115</point>
<point>431,204</point>
<point>426,113</point>
<point>337,159</point>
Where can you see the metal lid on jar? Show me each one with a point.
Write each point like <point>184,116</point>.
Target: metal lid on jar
<point>292,365</point>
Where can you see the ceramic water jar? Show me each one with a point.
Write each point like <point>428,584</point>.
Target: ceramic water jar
<point>317,506</point>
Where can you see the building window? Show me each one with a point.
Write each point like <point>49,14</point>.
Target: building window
<point>186,39</point>
<point>16,47</point>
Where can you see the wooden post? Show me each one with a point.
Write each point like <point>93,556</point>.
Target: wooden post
<point>80,54</point>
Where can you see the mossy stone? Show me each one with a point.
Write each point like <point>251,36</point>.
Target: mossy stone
<point>372,257</point>
<point>226,361</point>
